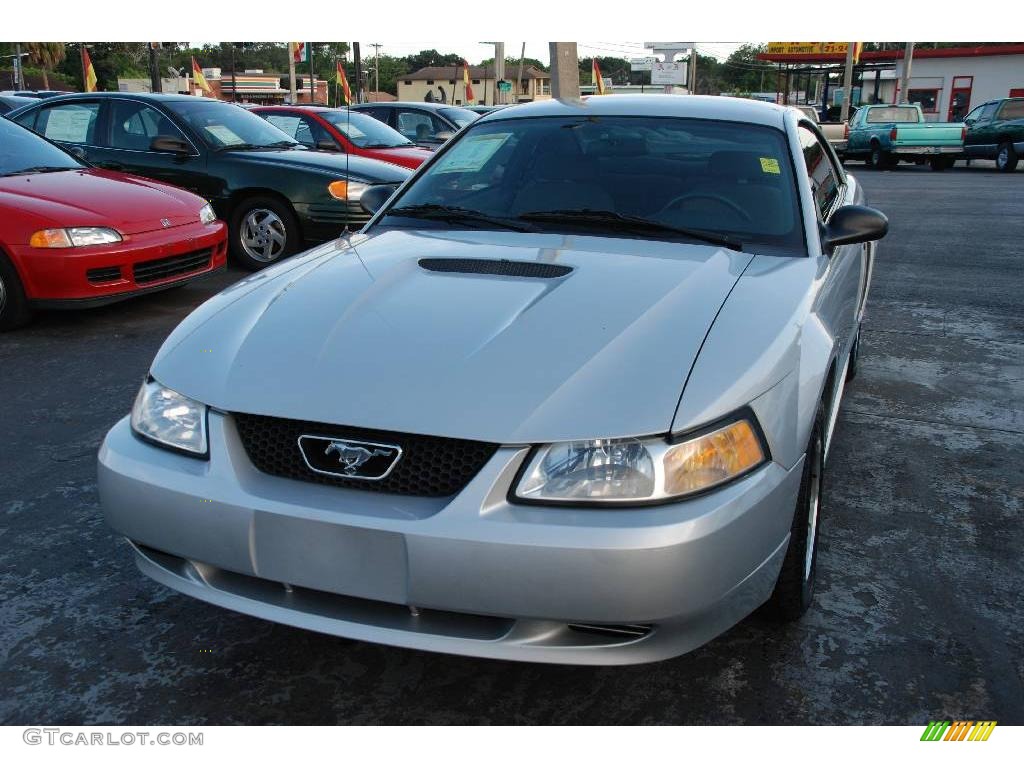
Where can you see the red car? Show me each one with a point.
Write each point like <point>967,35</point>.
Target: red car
<point>75,236</point>
<point>342,130</point>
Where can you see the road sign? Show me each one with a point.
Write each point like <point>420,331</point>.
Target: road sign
<point>668,73</point>
<point>504,86</point>
<point>643,64</point>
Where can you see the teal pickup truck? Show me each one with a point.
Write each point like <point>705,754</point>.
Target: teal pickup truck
<point>883,134</point>
<point>995,131</point>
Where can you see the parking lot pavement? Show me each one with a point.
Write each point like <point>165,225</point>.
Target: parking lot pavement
<point>918,614</point>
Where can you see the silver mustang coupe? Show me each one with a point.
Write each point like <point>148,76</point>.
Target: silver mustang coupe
<point>566,398</point>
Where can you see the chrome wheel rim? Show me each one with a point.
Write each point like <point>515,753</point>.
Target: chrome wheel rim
<point>812,512</point>
<point>1003,157</point>
<point>263,235</point>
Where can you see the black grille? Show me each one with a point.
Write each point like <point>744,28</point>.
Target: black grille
<point>496,267</point>
<point>429,466</point>
<point>103,274</point>
<point>161,269</point>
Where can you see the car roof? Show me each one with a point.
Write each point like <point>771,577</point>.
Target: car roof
<point>660,105</point>
<point>141,96</point>
<point>429,105</point>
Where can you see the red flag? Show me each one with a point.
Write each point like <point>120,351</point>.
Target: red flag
<point>199,78</point>
<point>88,71</point>
<point>595,75</point>
<point>465,79</point>
<point>343,82</point>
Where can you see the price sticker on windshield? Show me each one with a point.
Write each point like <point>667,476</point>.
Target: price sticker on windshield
<point>770,165</point>
<point>471,154</point>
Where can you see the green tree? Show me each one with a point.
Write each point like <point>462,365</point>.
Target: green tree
<point>46,56</point>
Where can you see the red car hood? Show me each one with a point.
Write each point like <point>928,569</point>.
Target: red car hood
<point>407,157</point>
<point>94,198</point>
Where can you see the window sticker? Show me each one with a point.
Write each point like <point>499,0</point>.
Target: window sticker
<point>224,135</point>
<point>770,165</point>
<point>471,154</point>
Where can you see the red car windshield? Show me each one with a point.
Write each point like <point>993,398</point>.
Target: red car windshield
<point>364,131</point>
<point>22,151</point>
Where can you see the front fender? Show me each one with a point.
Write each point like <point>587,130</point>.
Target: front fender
<point>767,349</point>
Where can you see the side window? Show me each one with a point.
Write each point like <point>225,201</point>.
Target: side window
<point>418,126</point>
<point>287,123</point>
<point>988,110</point>
<point>379,113</point>
<point>134,125</point>
<point>28,119</point>
<point>300,128</point>
<point>821,174</point>
<point>74,123</point>
<point>1012,110</point>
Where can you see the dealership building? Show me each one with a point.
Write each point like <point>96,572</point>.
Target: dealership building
<point>946,82</point>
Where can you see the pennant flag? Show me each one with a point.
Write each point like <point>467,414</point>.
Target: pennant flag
<point>89,71</point>
<point>343,82</point>
<point>595,75</point>
<point>465,79</point>
<point>300,52</point>
<point>199,77</point>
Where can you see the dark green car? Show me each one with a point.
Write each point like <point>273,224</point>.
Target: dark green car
<point>995,131</point>
<point>275,194</point>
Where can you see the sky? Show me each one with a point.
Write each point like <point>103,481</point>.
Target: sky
<point>475,51</point>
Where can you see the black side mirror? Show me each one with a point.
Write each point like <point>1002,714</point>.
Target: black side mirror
<point>854,224</point>
<point>169,144</point>
<point>327,144</point>
<point>373,199</point>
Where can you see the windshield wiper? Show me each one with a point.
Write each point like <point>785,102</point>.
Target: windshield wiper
<point>385,146</point>
<point>274,145</point>
<point>617,221</point>
<point>455,213</point>
<point>39,169</point>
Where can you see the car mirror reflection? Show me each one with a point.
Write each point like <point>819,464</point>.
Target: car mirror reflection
<point>854,224</point>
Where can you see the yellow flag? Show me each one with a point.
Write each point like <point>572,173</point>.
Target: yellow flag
<point>199,77</point>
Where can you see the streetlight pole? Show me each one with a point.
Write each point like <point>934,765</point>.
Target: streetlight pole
<point>19,70</point>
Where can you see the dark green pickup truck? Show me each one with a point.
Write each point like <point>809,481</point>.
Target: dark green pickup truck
<point>995,131</point>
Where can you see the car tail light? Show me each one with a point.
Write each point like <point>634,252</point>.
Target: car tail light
<point>963,133</point>
<point>892,134</point>
<point>846,131</point>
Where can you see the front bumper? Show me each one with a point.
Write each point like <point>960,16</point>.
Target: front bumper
<point>485,577</point>
<point>138,264</point>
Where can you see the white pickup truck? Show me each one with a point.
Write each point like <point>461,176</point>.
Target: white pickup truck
<point>837,134</point>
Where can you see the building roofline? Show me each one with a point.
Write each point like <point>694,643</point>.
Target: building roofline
<point>895,54</point>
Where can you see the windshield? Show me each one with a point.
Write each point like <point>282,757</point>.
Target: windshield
<point>22,151</point>
<point>365,131</point>
<point>226,126</point>
<point>461,117</point>
<point>893,115</point>
<point>731,180</point>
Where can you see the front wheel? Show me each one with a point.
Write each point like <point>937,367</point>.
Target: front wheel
<point>795,588</point>
<point>14,307</point>
<point>1006,157</point>
<point>263,230</point>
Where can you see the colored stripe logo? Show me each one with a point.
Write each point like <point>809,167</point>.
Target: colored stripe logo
<point>960,730</point>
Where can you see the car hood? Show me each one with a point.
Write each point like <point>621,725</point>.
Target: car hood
<point>361,168</point>
<point>96,198</point>
<point>360,334</point>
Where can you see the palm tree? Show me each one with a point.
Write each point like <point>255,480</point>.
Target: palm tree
<point>46,56</point>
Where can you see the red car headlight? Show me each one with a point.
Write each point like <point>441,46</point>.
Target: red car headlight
<point>73,237</point>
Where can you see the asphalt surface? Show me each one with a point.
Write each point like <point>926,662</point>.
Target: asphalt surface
<point>918,614</point>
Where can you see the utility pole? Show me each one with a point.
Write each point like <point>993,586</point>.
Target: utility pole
<point>234,80</point>
<point>499,72</point>
<point>358,63</point>
<point>376,66</point>
<point>693,71</point>
<point>903,94</point>
<point>519,79</point>
<point>19,70</point>
<point>844,112</point>
<point>291,73</point>
<point>312,76</point>
<point>155,84</point>
<point>565,71</point>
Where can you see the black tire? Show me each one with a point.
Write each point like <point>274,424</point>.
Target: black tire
<point>15,310</point>
<point>851,367</point>
<point>1006,157</point>
<point>795,588</point>
<point>272,232</point>
<point>879,159</point>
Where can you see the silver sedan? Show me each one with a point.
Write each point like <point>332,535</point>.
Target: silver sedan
<point>567,398</point>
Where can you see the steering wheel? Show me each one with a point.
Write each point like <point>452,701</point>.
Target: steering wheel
<point>708,196</point>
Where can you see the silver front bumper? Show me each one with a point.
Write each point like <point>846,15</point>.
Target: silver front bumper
<point>487,578</point>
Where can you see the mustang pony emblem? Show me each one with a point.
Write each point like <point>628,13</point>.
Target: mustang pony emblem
<point>353,457</point>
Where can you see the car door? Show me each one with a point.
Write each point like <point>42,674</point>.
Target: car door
<point>130,128</point>
<point>844,287</point>
<point>981,135</point>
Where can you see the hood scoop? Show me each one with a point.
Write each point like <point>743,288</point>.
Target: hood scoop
<point>502,267</point>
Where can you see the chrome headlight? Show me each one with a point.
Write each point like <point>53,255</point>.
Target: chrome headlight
<point>74,237</point>
<point>347,190</point>
<point>207,215</point>
<point>164,416</point>
<point>641,471</point>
